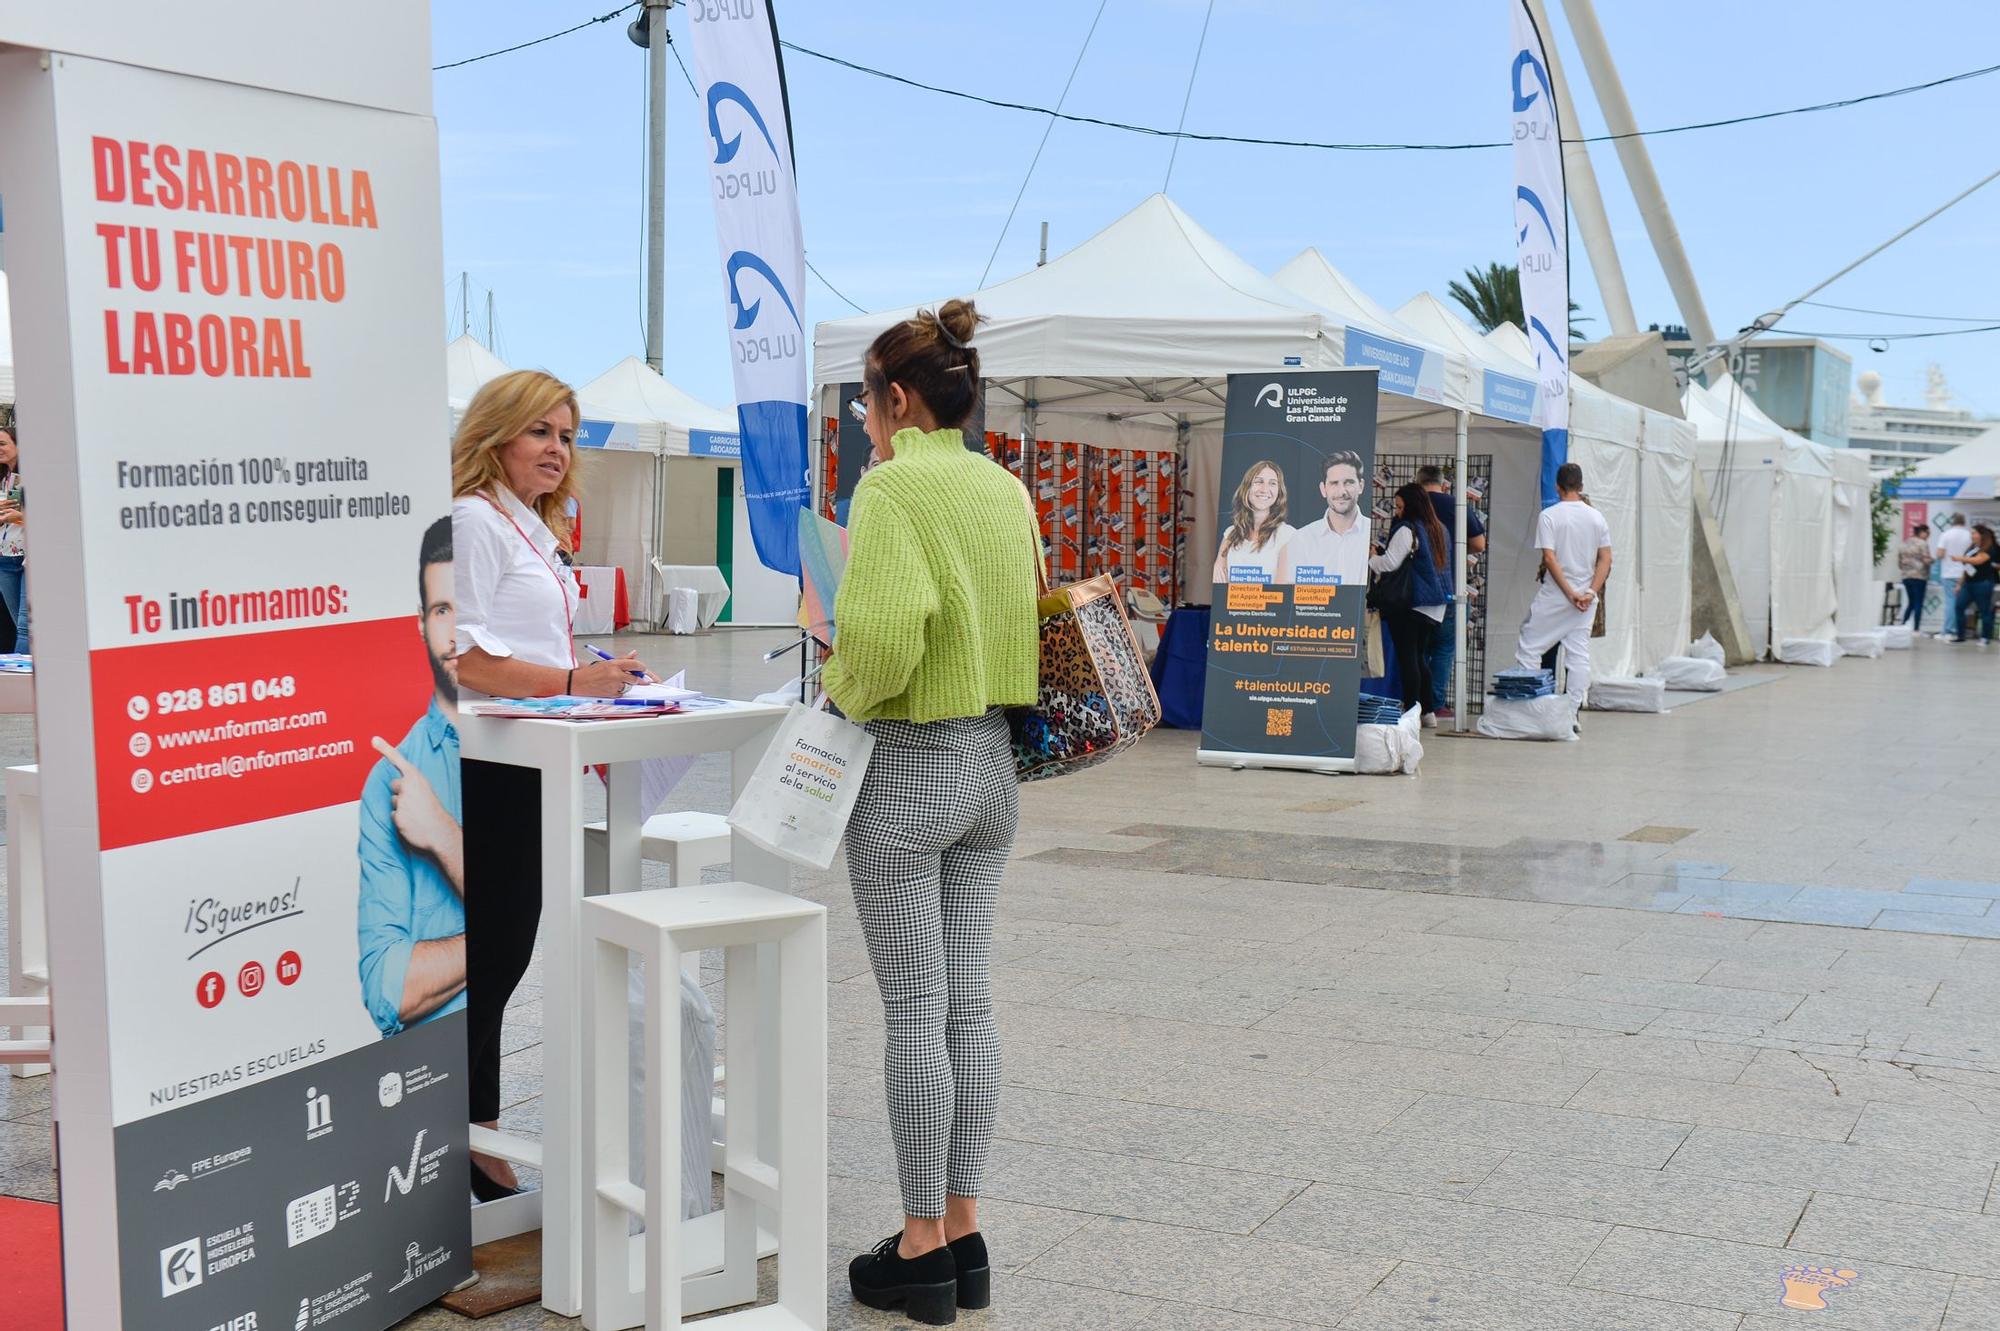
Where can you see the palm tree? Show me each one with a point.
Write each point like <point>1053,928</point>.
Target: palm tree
<point>1493,298</point>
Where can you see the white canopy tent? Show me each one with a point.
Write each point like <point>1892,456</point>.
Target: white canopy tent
<point>1444,376</point>
<point>469,367</point>
<point>1970,471</point>
<point>6,344</point>
<point>1638,468</point>
<point>666,448</point>
<point>1857,591</point>
<point>1773,494</point>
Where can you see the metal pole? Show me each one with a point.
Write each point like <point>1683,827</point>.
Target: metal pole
<point>1045,246</point>
<point>656,178</point>
<point>465,299</point>
<point>489,322</point>
<point>1638,163</point>
<point>1463,575</point>
<point>1580,182</point>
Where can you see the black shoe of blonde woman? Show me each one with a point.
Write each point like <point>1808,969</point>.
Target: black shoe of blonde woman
<point>924,1287</point>
<point>975,1272</point>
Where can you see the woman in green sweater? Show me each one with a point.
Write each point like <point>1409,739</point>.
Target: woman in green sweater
<point>936,634</point>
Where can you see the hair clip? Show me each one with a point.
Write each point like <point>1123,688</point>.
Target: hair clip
<point>944,332</point>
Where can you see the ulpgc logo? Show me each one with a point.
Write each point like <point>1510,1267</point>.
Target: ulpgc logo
<point>783,344</point>
<point>1275,392</point>
<point>742,180</point>
<point>1528,63</point>
<point>180,1267</point>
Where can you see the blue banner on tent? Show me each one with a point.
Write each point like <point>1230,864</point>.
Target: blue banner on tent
<point>1509,399</point>
<point>714,444</point>
<point>593,434</point>
<point>1405,369</point>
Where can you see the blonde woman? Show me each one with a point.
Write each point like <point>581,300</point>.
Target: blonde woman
<point>1258,532</point>
<point>513,472</point>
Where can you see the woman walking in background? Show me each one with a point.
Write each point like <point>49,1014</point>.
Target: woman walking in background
<point>936,633</point>
<point>1417,538</point>
<point>1975,594</point>
<point>13,539</point>
<point>1913,562</point>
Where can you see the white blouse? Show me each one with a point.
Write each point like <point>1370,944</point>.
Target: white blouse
<point>515,595</point>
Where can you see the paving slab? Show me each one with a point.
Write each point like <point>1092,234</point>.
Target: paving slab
<point>1572,1133</point>
<point>1437,1298</point>
<point>1684,1203</point>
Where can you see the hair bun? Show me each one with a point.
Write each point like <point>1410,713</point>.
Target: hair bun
<point>959,319</point>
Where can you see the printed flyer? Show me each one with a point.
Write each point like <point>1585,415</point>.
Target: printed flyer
<point>1285,648</point>
<point>268,609</point>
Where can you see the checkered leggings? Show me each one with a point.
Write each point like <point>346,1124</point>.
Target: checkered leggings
<point>929,840</point>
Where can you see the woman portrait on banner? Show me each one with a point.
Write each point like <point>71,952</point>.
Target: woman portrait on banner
<point>513,474</point>
<point>13,540</point>
<point>1258,532</point>
<point>937,634</point>
<point>1413,585</point>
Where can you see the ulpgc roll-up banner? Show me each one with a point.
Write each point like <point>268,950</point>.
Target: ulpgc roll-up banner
<point>741,77</point>
<point>230,383</point>
<point>1285,644</point>
<point>1541,225</point>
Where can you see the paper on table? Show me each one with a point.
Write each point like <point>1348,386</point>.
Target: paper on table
<point>659,776</point>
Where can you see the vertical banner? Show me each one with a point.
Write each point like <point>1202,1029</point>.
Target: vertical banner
<point>1541,225</point>
<point>1285,647</point>
<point>741,76</point>
<point>264,961</point>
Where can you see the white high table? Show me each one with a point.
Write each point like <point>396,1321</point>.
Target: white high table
<point>562,750</point>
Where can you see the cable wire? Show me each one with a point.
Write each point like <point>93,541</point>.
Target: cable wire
<point>1252,140</point>
<point>1886,337</point>
<point>1896,314</point>
<point>1046,130</point>
<point>1188,96</point>
<point>509,50</point>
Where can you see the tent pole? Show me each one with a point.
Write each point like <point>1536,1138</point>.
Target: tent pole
<point>1461,575</point>
<point>655,594</point>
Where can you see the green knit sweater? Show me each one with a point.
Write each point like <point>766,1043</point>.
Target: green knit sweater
<point>936,615</point>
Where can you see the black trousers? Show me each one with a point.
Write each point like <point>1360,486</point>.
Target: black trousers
<point>503,909</point>
<point>1410,632</point>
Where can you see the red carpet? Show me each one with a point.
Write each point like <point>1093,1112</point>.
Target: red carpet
<point>30,1265</point>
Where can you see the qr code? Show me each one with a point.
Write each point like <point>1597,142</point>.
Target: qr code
<point>1277,722</point>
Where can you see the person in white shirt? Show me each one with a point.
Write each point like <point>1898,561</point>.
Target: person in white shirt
<point>513,472</point>
<point>1952,544</point>
<point>1258,533</point>
<point>1335,549</point>
<point>1575,543</point>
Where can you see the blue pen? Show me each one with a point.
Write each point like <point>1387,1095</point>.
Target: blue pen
<point>603,655</point>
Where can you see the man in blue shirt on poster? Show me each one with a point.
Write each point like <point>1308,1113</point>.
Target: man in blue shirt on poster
<point>410,919</point>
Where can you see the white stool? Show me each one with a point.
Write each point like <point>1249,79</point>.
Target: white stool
<point>27,926</point>
<point>672,1270</point>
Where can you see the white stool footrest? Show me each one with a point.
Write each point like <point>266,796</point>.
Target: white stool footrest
<point>506,1146</point>
<point>627,1197</point>
<point>24,1011</point>
<point>24,1051</point>
<point>756,1180</point>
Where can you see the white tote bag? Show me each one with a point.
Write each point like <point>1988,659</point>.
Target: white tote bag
<point>803,791</point>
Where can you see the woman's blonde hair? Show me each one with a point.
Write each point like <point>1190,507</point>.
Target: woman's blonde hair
<point>500,411</point>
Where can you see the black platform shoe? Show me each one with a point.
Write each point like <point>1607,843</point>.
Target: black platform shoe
<point>925,1288</point>
<point>975,1277</point>
<point>485,1188</point>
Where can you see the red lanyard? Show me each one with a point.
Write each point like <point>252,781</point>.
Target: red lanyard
<point>569,612</point>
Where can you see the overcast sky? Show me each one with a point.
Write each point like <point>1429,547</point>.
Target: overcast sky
<point>904,192</point>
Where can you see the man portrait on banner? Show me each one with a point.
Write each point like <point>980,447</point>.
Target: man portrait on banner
<point>410,919</point>
<point>1334,550</point>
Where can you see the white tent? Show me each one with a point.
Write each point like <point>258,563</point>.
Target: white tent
<point>1773,493</point>
<point>1975,464</point>
<point>663,451</point>
<point>6,344</point>
<point>1857,590</point>
<point>469,367</point>
<point>1439,375</point>
<point>1500,389</point>
<point>1638,468</point>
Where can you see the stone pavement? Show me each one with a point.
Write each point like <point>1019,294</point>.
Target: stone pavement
<point>1691,1026</point>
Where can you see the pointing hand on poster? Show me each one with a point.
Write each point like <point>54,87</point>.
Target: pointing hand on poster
<point>421,819</point>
